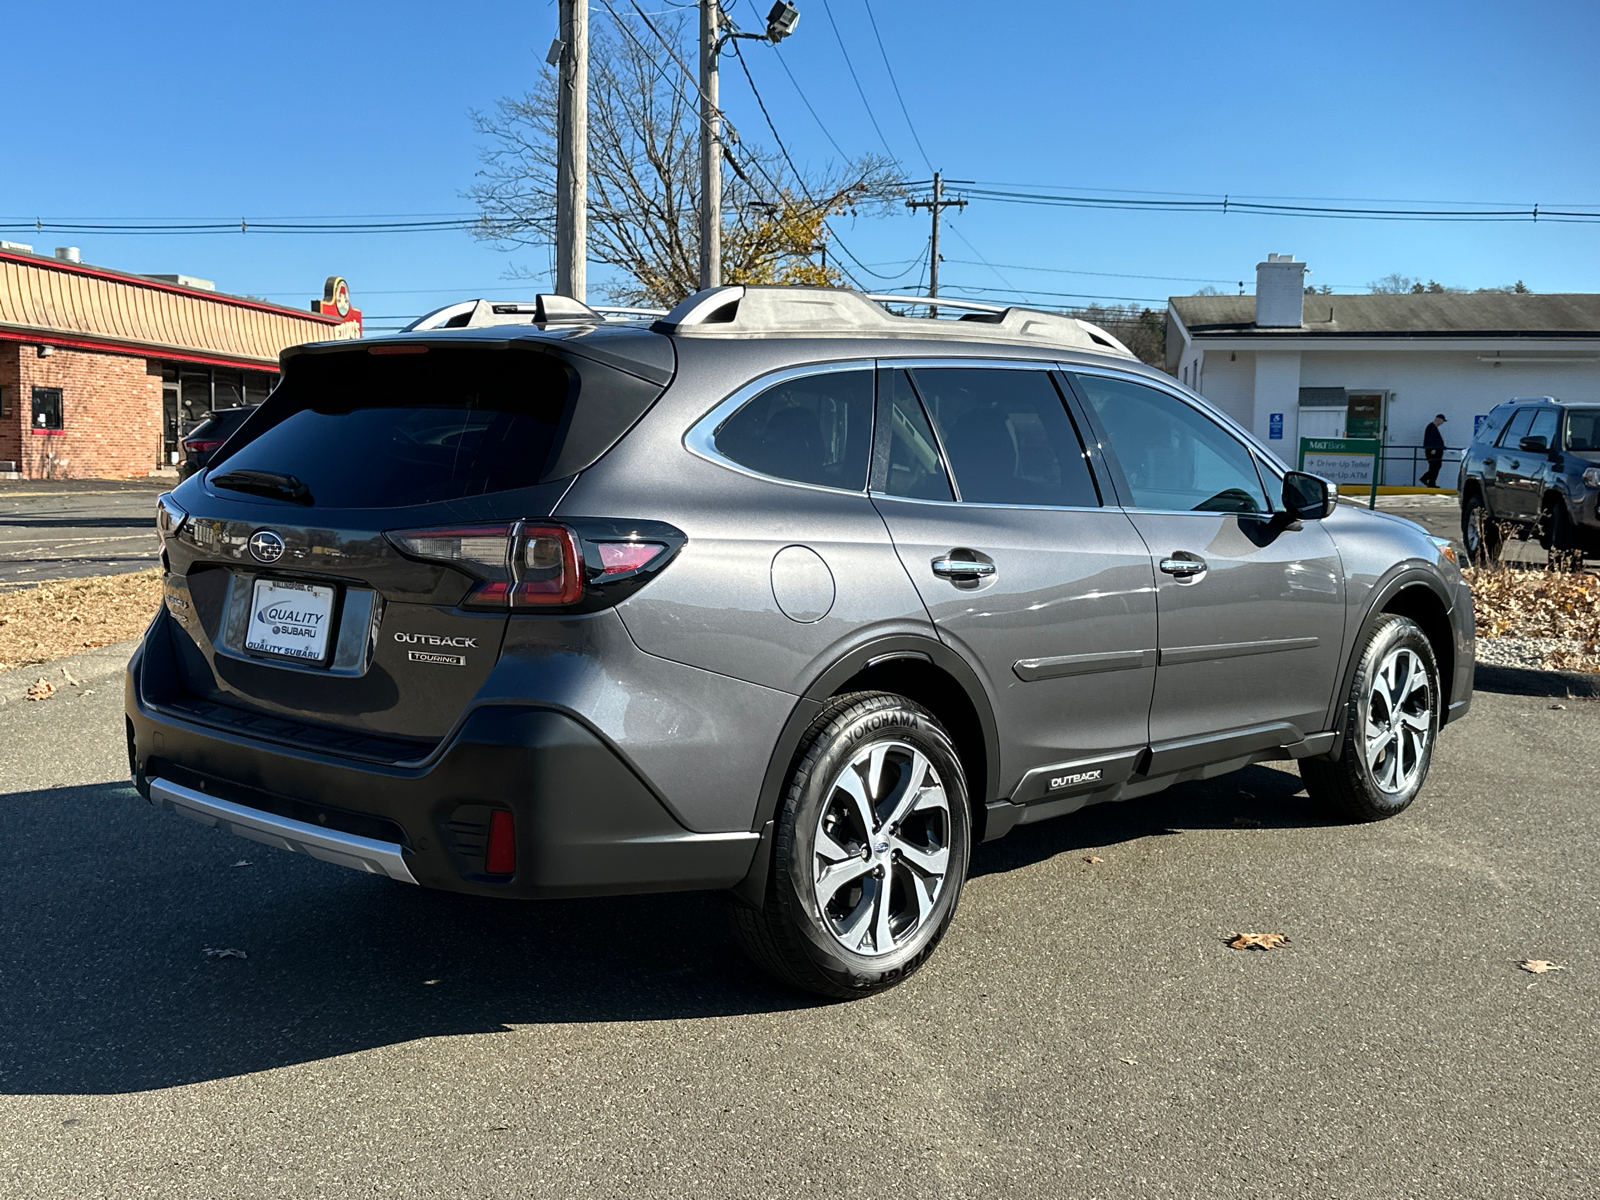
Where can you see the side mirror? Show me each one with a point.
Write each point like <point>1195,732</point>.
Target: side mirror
<point>1535,445</point>
<point>1308,497</point>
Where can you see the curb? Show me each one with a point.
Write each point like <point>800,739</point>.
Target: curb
<point>91,666</point>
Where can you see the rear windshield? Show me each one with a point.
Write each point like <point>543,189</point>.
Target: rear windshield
<point>364,430</point>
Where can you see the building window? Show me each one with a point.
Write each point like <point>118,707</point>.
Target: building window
<point>5,402</point>
<point>47,416</point>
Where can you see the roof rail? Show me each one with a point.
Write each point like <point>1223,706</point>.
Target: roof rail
<point>764,311</point>
<point>546,309</point>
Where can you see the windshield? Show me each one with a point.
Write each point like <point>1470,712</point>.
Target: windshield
<point>1583,429</point>
<point>361,430</point>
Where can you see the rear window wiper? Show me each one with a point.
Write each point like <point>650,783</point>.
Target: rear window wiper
<point>265,483</point>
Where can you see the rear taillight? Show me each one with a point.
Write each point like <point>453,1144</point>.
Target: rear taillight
<point>169,517</point>
<point>530,565</point>
<point>201,445</point>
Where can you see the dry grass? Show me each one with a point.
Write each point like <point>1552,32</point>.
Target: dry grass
<point>1545,604</point>
<point>67,616</point>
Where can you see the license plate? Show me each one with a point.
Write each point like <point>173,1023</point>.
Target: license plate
<point>290,619</point>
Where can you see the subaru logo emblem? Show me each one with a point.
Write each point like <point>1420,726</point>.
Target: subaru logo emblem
<point>266,545</point>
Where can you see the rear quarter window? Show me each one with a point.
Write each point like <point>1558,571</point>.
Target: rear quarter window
<point>815,429</point>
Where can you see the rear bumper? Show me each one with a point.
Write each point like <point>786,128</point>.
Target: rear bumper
<point>585,823</point>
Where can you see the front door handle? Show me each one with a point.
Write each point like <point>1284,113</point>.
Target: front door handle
<point>962,568</point>
<point>1183,568</point>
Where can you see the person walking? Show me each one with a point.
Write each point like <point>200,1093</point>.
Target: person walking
<point>1433,451</point>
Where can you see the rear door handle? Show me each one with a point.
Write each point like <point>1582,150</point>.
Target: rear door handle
<point>1183,568</point>
<point>962,568</point>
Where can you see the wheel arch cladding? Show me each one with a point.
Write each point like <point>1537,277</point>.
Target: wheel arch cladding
<point>922,670</point>
<point>1419,602</point>
<point>936,690</point>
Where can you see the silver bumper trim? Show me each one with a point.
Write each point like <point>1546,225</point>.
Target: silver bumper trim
<point>345,849</point>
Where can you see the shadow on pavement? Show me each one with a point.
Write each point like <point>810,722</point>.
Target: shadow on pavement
<point>1264,796</point>
<point>1523,681</point>
<point>107,907</point>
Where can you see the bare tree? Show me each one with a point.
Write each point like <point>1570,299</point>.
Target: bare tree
<point>644,206</point>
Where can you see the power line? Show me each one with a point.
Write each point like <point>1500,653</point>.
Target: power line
<point>1229,204</point>
<point>871,116</point>
<point>927,162</point>
<point>1071,271</point>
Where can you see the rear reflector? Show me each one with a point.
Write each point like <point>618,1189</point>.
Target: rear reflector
<point>201,445</point>
<point>618,557</point>
<point>501,856</point>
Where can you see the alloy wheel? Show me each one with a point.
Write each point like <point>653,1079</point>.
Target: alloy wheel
<point>882,849</point>
<point>1399,721</point>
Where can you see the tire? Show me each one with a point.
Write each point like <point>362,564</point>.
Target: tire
<point>852,910</point>
<point>1479,532</point>
<point>1396,693</point>
<point>1565,547</point>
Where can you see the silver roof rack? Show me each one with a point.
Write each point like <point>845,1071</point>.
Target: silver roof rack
<point>546,309</point>
<point>750,311</point>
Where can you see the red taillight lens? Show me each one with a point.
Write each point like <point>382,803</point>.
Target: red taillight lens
<point>201,445</point>
<point>618,557</point>
<point>501,856</point>
<point>549,567</point>
<point>520,565</point>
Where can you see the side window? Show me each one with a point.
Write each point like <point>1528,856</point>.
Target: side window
<point>915,469</point>
<point>816,429</point>
<point>1583,429</point>
<point>1516,429</point>
<point>1008,436</point>
<point>1544,425</point>
<point>1174,456</point>
<point>1493,424</point>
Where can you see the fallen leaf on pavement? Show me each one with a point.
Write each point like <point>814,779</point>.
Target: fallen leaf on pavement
<point>244,862</point>
<point>1258,941</point>
<point>1246,823</point>
<point>1538,966</point>
<point>226,953</point>
<point>42,690</point>
<point>1093,858</point>
<point>67,675</point>
<point>1556,706</point>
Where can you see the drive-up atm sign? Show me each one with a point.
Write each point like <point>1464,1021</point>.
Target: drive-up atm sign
<point>1348,462</point>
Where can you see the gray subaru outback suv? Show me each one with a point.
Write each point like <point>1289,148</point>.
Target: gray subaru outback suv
<point>784,595</point>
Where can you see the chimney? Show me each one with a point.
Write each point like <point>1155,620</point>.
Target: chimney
<point>1280,292</point>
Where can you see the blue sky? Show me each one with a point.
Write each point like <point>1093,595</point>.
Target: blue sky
<point>289,109</point>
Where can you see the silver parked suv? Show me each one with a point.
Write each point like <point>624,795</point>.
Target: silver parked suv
<point>784,595</point>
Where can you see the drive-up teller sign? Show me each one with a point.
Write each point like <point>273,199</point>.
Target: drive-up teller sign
<point>1349,462</point>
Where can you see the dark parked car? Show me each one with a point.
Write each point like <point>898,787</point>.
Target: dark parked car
<point>207,437</point>
<point>1533,471</point>
<point>783,595</point>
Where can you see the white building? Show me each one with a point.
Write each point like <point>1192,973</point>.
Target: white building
<point>1289,364</point>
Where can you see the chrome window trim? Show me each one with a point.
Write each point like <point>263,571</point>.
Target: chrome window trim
<point>971,504</point>
<point>1258,453</point>
<point>700,439</point>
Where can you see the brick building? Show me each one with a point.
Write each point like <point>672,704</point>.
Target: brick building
<point>102,373</point>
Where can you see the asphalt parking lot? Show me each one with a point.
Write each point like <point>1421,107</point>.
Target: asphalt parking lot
<point>1083,1031</point>
<point>74,528</point>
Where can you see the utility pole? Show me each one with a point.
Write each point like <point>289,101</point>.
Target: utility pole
<point>572,162</point>
<point>710,146</point>
<point>933,206</point>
